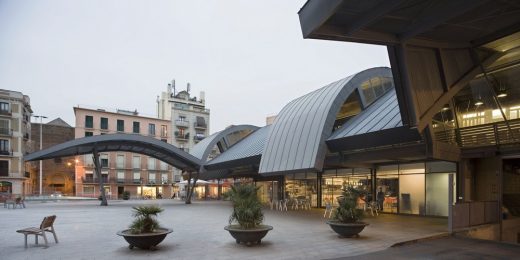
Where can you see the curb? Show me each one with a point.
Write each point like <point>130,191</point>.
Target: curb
<point>413,241</point>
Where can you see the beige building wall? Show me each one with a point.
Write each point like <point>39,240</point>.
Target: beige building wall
<point>149,178</point>
<point>15,141</point>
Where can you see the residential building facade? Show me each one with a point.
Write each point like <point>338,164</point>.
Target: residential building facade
<point>141,176</point>
<point>189,118</point>
<point>15,141</point>
<point>58,173</point>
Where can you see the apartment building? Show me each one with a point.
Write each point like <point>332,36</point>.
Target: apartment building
<point>15,141</point>
<point>142,176</point>
<point>189,117</point>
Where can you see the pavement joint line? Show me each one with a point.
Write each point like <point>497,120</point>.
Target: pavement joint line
<point>422,239</point>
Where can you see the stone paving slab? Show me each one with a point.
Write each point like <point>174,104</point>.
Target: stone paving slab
<point>87,231</point>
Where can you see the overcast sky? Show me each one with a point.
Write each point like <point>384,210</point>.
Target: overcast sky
<point>248,56</point>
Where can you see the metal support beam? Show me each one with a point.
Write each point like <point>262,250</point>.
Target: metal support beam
<point>97,164</point>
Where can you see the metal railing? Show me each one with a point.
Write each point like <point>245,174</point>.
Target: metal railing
<point>496,133</point>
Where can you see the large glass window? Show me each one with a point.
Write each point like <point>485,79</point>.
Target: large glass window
<point>302,188</point>
<point>334,181</point>
<point>4,146</point>
<point>120,176</point>
<point>89,122</point>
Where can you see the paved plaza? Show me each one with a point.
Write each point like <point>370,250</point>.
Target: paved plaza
<point>88,231</point>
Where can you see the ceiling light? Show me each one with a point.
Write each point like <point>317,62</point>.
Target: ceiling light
<point>445,108</point>
<point>479,102</point>
<point>502,93</point>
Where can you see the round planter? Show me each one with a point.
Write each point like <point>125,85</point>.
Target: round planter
<point>347,229</point>
<point>145,240</point>
<point>248,236</point>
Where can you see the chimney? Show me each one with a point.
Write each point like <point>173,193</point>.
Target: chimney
<point>202,97</point>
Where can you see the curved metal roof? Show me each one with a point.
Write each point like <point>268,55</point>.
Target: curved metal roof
<point>204,147</point>
<point>121,142</point>
<point>297,138</point>
<point>247,151</point>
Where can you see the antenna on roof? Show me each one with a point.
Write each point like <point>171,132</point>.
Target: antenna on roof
<point>188,88</point>
<point>173,86</point>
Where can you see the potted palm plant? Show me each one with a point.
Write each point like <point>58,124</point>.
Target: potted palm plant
<point>145,232</point>
<point>245,222</point>
<point>346,217</point>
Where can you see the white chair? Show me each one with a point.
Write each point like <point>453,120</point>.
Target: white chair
<point>328,209</point>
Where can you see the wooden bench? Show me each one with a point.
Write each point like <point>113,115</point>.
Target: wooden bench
<point>47,225</point>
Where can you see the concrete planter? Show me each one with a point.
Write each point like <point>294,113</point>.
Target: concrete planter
<point>144,240</point>
<point>248,236</point>
<point>347,229</point>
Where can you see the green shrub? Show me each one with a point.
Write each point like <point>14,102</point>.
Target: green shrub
<point>247,208</point>
<point>126,195</point>
<point>145,221</point>
<point>347,211</point>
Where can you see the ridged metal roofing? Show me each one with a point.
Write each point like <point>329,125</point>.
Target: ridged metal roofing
<point>383,114</point>
<point>120,142</point>
<point>296,140</point>
<point>204,147</point>
<point>250,146</point>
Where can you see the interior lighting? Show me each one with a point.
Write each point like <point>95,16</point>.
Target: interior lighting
<point>479,102</point>
<point>445,108</point>
<point>502,94</point>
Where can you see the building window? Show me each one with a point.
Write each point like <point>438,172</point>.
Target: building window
<point>4,108</point>
<point>88,133</point>
<point>104,160</point>
<point>88,189</point>
<point>136,128</point>
<point>164,178</point>
<point>137,177</point>
<point>151,178</point>
<point>151,129</point>
<point>164,131</point>
<point>120,125</point>
<point>4,127</point>
<point>136,162</point>
<point>4,146</point>
<point>151,163</point>
<point>104,123</point>
<point>164,166</point>
<point>4,168</point>
<point>120,176</point>
<point>120,163</point>
<point>89,122</point>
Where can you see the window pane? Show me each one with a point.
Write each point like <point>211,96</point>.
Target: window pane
<point>151,129</point>
<point>136,162</point>
<point>411,197</point>
<point>136,127</point>
<point>89,122</point>
<point>104,123</point>
<point>120,125</point>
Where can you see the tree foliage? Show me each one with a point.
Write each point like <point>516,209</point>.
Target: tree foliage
<point>347,211</point>
<point>247,208</point>
<point>145,221</point>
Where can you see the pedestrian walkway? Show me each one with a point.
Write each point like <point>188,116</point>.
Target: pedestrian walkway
<point>88,231</point>
<point>448,247</point>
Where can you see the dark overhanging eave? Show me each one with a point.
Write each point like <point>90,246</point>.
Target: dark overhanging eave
<point>120,142</point>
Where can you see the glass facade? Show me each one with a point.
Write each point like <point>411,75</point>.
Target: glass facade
<point>302,186</point>
<point>334,181</point>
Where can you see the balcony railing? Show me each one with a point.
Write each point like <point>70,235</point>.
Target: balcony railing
<point>482,135</point>
<point>126,181</point>
<point>6,153</point>
<point>181,137</point>
<point>5,112</point>
<point>199,126</point>
<point>6,131</point>
<point>182,123</point>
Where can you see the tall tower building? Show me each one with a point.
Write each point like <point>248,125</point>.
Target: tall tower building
<point>188,114</point>
<point>15,142</point>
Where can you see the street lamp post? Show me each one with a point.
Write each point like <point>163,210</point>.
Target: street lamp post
<point>41,146</point>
